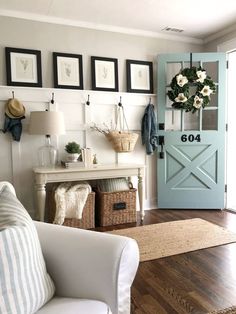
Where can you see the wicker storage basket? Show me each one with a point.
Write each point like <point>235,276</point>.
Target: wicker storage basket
<point>122,142</point>
<point>113,208</point>
<point>88,217</point>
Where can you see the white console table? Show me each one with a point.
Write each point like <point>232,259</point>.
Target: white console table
<point>59,174</point>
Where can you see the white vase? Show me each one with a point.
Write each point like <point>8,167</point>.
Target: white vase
<point>72,157</point>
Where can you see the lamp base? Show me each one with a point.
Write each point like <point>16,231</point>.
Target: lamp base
<point>47,155</point>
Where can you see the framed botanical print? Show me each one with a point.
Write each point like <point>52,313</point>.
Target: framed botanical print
<point>68,70</point>
<point>104,74</point>
<point>23,67</point>
<point>139,76</point>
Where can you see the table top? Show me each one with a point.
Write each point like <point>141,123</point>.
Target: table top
<point>97,167</point>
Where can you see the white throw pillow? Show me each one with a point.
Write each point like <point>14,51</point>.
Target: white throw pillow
<point>25,285</point>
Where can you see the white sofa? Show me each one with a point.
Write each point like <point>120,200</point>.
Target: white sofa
<point>92,271</point>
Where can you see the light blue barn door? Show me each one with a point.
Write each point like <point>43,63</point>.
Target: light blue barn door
<point>191,167</point>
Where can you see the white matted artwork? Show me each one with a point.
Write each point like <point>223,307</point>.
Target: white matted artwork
<point>104,74</point>
<point>23,67</point>
<point>139,76</point>
<point>68,70</point>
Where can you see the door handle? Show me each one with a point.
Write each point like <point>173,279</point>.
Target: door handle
<point>161,126</point>
<point>161,141</point>
<point>161,153</point>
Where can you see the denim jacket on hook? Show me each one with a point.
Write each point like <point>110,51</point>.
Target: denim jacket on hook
<point>149,130</point>
<point>14,126</point>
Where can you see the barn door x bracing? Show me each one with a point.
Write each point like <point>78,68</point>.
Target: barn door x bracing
<point>191,145</point>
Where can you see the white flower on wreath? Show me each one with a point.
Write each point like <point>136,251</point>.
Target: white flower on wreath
<point>181,98</point>
<point>201,76</point>
<point>181,80</point>
<point>197,103</point>
<point>206,91</point>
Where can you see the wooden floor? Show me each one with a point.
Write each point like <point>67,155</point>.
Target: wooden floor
<point>196,282</point>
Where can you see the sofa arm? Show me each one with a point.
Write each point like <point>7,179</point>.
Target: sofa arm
<point>89,264</point>
<point>5,183</point>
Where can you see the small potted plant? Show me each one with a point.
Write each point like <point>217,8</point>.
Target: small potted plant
<point>73,150</point>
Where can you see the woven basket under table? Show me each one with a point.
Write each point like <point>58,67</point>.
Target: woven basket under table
<point>113,208</point>
<point>88,217</point>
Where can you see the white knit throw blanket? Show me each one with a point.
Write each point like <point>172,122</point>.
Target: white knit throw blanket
<point>70,200</point>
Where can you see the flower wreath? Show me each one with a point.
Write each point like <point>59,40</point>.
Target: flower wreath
<point>180,86</point>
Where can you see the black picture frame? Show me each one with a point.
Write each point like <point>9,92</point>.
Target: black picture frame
<point>104,72</point>
<point>68,70</point>
<point>23,67</point>
<point>139,76</point>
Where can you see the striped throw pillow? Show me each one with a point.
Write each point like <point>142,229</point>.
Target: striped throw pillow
<point>25,285</point>
<point>113,185</point>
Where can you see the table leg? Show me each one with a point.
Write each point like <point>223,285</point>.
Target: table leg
<point>140,195</point>
<point>41,199</point>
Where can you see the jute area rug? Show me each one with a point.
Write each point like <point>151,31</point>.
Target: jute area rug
<point>176,237</point>
<point>230,310</point>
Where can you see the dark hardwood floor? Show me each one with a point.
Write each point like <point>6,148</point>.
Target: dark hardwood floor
<point>196,282</point>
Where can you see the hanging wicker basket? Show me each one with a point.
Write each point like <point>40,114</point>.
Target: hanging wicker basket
<point>122,141</point>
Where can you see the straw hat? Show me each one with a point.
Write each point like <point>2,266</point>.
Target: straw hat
<point>14,108</point>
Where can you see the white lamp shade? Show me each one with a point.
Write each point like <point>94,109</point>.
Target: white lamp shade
<point>46,123</point>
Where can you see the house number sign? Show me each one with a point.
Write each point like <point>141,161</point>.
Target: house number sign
<point>191,138</point>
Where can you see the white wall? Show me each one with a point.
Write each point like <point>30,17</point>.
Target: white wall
<point>18,159</point>
<point>214,45</point>
<point>59,38</point>
<point>227,44</point>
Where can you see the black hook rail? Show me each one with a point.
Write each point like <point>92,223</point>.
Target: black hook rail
<point>52,100</point>
<point>120,102</point>
<point>88,102</point>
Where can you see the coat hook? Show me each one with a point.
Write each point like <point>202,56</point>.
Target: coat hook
<point>120,103</point>
<point>52,100</point>
<point>13,94</point>
<point>88,102</point>
<point>150,101</point>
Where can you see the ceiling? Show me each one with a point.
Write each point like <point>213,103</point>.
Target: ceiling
<point>200,20</point>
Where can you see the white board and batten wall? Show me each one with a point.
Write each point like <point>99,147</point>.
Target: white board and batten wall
<point>19,158</point>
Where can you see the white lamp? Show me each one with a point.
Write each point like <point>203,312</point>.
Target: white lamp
<point>47,123</point>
